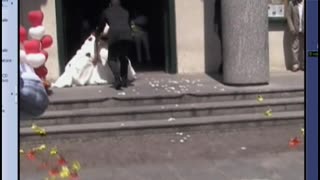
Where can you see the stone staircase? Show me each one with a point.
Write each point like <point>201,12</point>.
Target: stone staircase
<point>225,109</point>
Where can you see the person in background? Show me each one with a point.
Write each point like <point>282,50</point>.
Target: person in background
<point>33,96</point>
<point>85,29</point>
<point>118,38</point>
<point>141,37</point>
<point>295,19</point>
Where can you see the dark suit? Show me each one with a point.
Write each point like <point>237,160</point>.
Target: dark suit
<point>296,26</point>
<point>141,37</point>
<point>119,39</point>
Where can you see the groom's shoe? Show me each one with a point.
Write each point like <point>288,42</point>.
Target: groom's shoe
<point>124,83</point>
<point>117,84</point>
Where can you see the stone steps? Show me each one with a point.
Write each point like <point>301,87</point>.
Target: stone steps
<point>182,124</point>
<point>166,112</point>
<point>165,99</point>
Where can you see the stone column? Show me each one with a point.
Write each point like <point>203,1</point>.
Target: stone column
<point>245,42</point>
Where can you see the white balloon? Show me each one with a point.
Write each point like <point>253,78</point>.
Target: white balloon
<point>36,60</point>
<point>23,56</point>
<point>37,32</point>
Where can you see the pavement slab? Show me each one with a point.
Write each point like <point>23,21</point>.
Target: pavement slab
<point>251,153</point>
<point>161,84</point>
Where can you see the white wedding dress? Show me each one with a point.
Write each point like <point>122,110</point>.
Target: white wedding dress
<point>81,71</point>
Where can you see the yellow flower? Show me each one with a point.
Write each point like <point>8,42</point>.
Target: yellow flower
<point>54,151</point>
<point>260,99</point>
<point>38,130</point>
<point>42,132</point>
<point>268,113</point>
<point>65,172</point>
<point>76,166</point>
<point>34,127</point>
<point>42,147</point>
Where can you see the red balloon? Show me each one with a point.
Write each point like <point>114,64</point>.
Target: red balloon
<point>46,41</point>
<point>41,72</point>
<point>31,156</point>
<point>45,53</point>
<point>32,46</point>
<point>54,172</point>
<point>23,34</point>
<point>62,162</point>
<point>294,143</point>
<point>35,18</point>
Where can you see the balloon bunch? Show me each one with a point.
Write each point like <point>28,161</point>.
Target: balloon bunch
<point>34,48</point>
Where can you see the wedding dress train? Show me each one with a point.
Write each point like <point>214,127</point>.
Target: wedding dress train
<point>81,71</point>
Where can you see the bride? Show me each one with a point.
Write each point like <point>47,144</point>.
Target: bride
<point>83,69</point>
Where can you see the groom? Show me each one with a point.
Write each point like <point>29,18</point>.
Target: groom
<point>119,40</point>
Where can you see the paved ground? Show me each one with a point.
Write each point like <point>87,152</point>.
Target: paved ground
<point>235,154</point>
<point>152,84</point>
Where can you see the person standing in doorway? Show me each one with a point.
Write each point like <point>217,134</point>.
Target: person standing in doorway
<point>295,18</point>
<point>141,37</point>
<point>85,29</point>
<point>119,40</point>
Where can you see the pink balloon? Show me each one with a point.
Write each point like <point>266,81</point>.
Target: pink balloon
<point>46,41</point>
<point>35,18</point>
<point>32,46</point>
<point>23,34</point>
<point>42,71</point>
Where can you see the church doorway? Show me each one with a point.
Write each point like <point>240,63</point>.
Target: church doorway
<point>77,19</point>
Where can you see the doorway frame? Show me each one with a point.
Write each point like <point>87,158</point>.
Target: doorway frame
<point>169,30</point>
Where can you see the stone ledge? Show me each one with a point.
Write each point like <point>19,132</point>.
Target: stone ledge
<point>155,124</point>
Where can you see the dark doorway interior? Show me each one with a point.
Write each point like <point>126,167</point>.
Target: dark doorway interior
<point>218,29</point>
<point>82,16</point>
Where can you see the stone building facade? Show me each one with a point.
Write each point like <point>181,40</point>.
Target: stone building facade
<point>252,45</point>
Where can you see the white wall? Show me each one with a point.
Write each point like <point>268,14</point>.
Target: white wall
<point>276,51</point>
<point>280,48</point>
<point>190,36</point>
